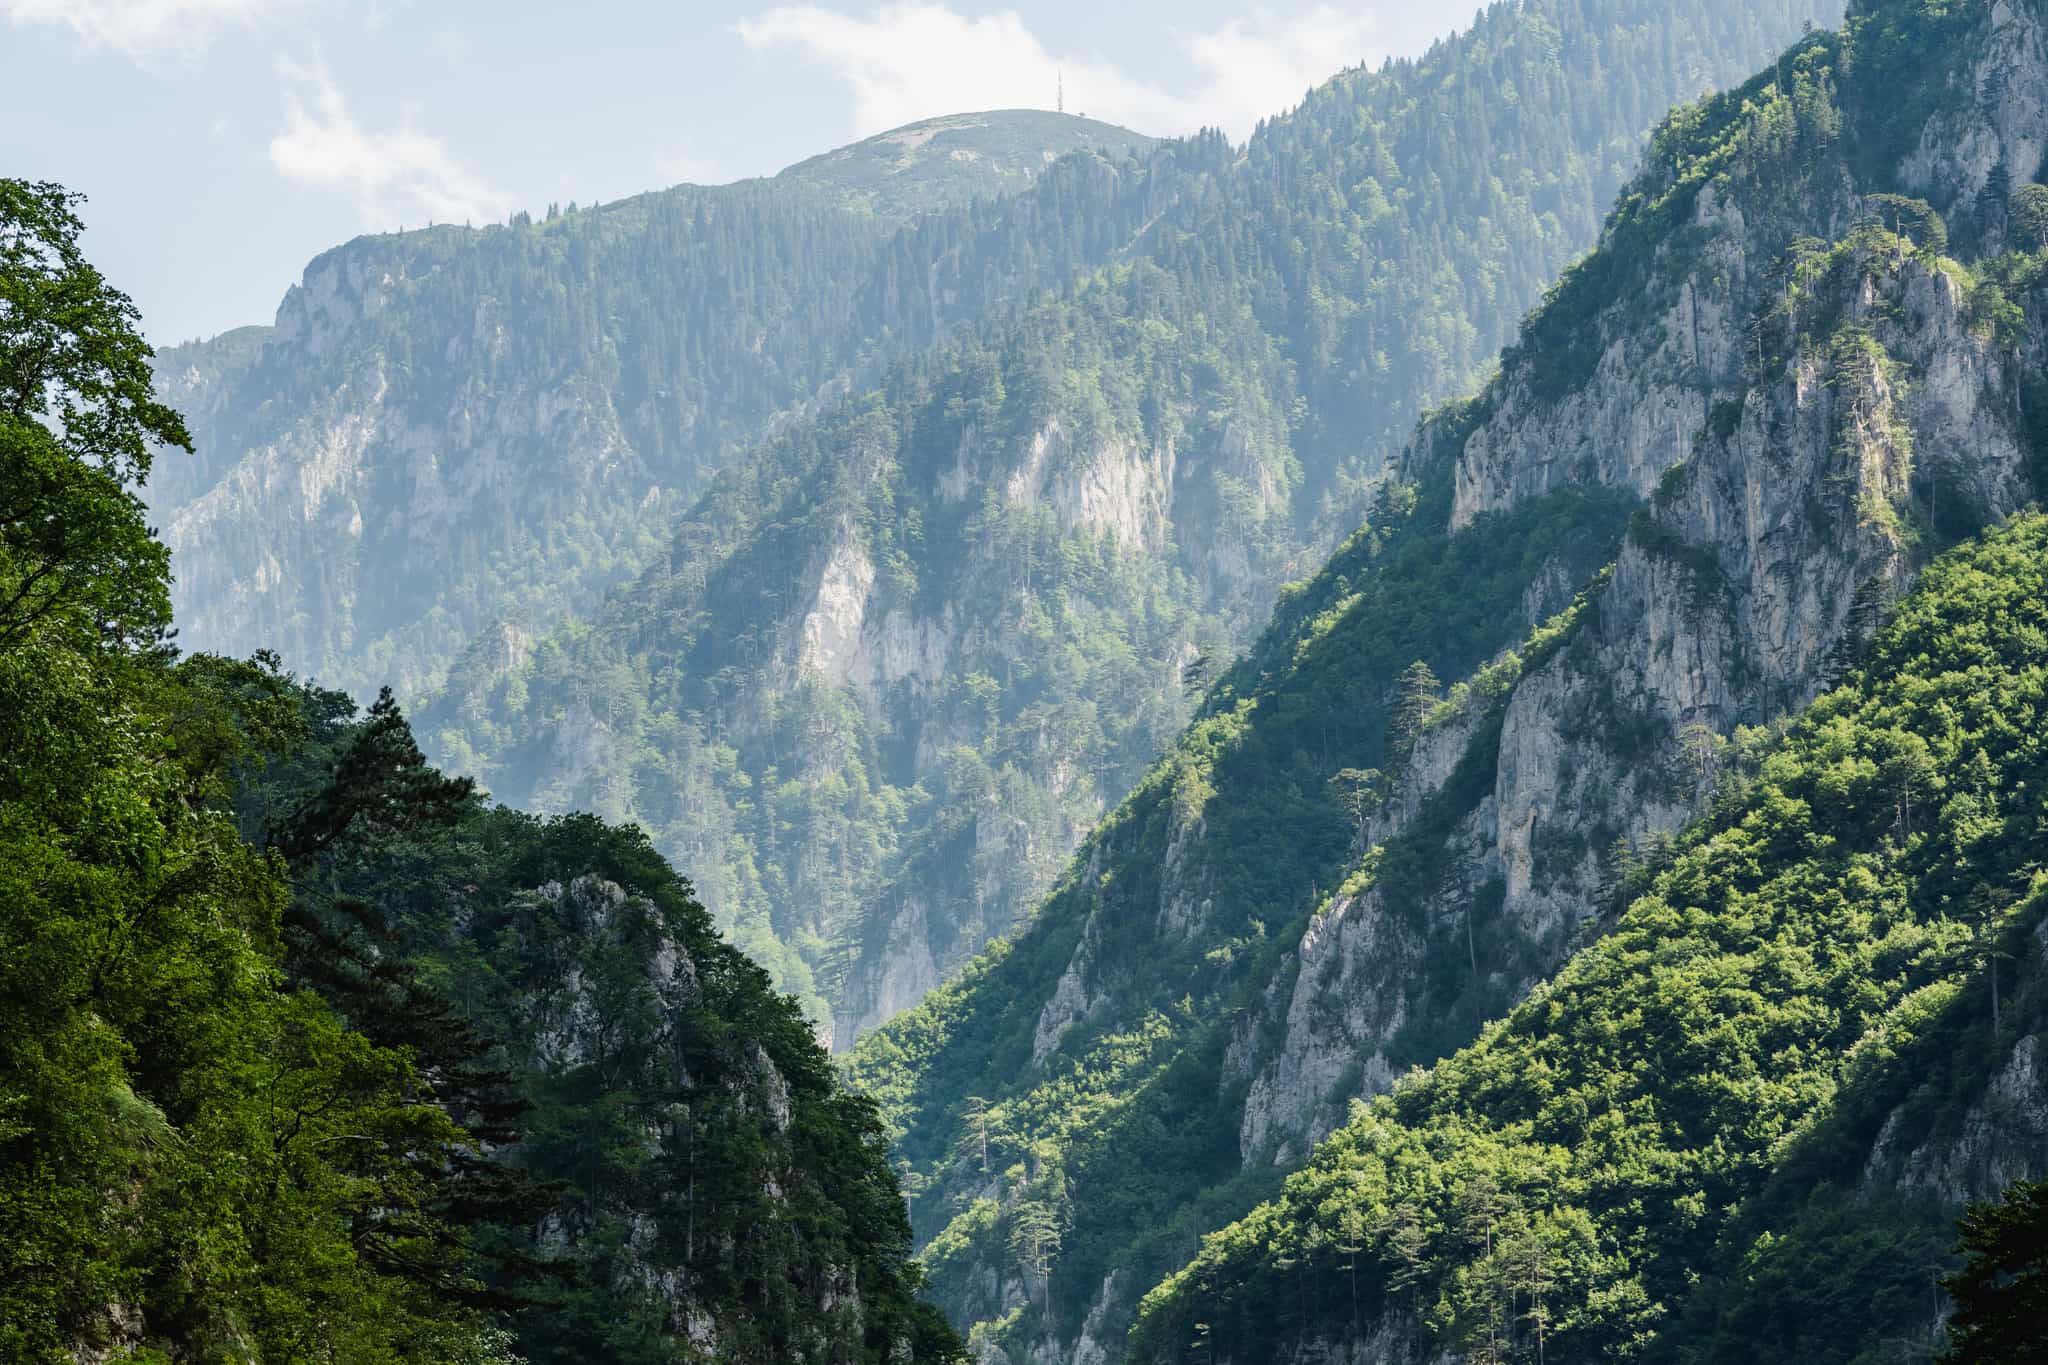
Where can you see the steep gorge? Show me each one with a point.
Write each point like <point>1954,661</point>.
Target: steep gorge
<point>896,661</point>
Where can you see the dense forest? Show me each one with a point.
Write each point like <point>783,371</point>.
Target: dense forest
<point>894,664</point>
<point>308,1053</point>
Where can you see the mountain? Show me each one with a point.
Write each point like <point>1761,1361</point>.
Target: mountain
<point>949,162</point>
<point>1660,988</point>
<point>306,1052</point>
<point>451,428</point>
<point>1806,355</point>
<point>1740,1126</point>
<point>893,664</point>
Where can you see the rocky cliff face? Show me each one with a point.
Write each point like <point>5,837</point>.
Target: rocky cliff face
<point>1885,412</point>
<point>371,526</point>
<point>671,1146</point>
<point>606,983</point>
<point>1141,500</point>
<point>911,660</point>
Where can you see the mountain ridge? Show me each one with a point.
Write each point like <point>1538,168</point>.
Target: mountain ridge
<point>415,388</point>
<point>986,152</point>
<point>1597,912</point>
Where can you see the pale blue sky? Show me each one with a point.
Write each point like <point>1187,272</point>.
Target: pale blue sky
<point>225,142</point>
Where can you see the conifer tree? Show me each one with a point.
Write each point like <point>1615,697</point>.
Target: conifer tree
<point>1415,696</point>
<point>2001,1293</point>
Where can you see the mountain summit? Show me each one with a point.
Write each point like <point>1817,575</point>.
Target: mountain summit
<point>943,162</point>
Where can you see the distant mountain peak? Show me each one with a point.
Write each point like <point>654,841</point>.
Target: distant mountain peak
<point>938,162</point>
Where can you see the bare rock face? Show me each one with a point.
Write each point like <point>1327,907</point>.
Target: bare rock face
<point>568,1022</point>
<point>833,629</point>
<point>1992,116</point>
<point>1772,499</point>
<point>325,520</point>
<point>2000,1139</point>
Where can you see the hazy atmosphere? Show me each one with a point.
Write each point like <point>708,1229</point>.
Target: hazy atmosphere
<point>289,125</point>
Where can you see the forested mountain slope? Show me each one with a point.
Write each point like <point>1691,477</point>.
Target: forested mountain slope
<point>674,1169</point>
<point>895,662</point>
<point>1741,1125</point>
<point>454,426</point>
<point>306,1054</point>
<point>1807,353</point>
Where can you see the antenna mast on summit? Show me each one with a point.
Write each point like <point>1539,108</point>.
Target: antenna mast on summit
<point>1063,92</point>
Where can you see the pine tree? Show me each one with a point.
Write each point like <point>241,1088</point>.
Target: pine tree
<point>2029,217</point>
<point>1407,1242</point>
<point>1034,1239</point>
<point>1617,868</point>
<point>2001,1293</point>
<point>1361,792</point>
<point>1997,200</point>
<point>977,1127</point>
<point>1865,615</point>
<point>1415,696</point>
<point>1910,771</point>
<point>1659,850</point>
<point>1701,748</point>
<point>1351,1241</point>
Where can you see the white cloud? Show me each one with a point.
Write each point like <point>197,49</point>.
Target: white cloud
<point>396,177</point>
<point>916,59</point>
<point>1250,72</point>
<point>137,27</point>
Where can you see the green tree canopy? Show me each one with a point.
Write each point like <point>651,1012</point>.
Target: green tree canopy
<point>78,419</point>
